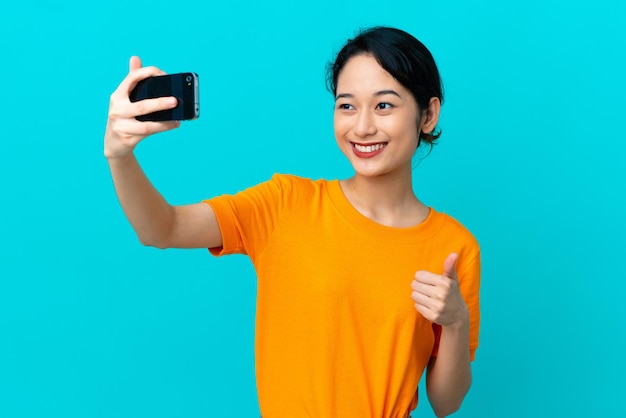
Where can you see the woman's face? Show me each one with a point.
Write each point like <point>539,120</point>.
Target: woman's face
<point>376,118</point>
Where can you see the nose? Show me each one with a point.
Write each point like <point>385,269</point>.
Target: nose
<point>364,125</point>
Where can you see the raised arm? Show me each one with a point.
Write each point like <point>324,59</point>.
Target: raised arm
<point>155,222</point>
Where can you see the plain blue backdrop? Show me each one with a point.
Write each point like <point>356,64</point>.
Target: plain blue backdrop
<point>92,324</point>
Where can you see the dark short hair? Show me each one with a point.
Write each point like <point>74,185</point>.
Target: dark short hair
<point>402,56</point>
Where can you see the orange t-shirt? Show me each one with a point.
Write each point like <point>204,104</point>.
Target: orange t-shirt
<point>337,333</point>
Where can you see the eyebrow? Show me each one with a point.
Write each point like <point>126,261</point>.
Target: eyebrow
<point>378,93</point>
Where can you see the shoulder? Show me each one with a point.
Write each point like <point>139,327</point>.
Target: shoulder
<point>280,190</point>
<point>292,184</point>
<point>456,231</point>
<point>455,237</point>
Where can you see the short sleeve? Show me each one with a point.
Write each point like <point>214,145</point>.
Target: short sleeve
<point>469,283</point>
<point>247,219</point>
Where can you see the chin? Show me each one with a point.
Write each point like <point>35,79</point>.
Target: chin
<point>369,172</point>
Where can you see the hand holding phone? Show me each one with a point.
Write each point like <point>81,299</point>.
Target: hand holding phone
<point>123,130</point>
<point>183,86</point>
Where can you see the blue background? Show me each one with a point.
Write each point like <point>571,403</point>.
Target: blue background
<point>92,324</point>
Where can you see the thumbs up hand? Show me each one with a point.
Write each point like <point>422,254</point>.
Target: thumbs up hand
<point>437,296</point>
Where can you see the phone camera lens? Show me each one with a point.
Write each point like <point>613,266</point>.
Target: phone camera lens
<point>188,79</point>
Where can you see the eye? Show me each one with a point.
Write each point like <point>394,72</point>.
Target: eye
<point>384,106</point>
<point>345,106</point>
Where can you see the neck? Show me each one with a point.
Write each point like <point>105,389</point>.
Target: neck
<point>388,199</point>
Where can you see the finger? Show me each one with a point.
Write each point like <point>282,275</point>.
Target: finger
<point>424,289</point>
<point>425,311</point>
<point>135,76</point>
<point>137,128</point>
<point>143,107</point>
<point>156,127</point>
<point>135,63</point>
<point>121,108</point>
<point>449,266</point>
<point>427,277</point>
<point>422,299</point>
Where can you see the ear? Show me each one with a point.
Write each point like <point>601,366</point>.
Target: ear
<point>431,115</point>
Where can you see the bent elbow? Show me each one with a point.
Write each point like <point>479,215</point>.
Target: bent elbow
<point>153,242</point>
<point>447,410</point>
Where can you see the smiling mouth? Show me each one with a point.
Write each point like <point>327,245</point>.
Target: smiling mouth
<point>369,148</point>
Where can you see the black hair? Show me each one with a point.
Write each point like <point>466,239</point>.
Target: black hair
<point>402,56</point>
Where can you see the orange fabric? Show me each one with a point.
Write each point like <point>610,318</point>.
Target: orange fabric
<point>337,334</point>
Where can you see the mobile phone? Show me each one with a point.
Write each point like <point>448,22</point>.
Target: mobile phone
<point>183,86</point>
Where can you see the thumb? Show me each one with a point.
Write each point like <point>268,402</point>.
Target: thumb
<point>449,266</point>
<point>135,63</point>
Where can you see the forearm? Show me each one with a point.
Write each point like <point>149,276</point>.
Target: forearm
<point>147,211</point>
<point>449,375</point>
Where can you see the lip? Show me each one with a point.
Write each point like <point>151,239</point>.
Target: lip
<point>371,154</point>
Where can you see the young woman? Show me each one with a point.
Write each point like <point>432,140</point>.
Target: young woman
<point>361,286</point>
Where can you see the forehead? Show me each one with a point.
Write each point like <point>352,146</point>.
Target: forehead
<point>363,73</point>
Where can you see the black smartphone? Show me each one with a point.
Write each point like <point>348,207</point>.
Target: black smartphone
<point>183,86</point>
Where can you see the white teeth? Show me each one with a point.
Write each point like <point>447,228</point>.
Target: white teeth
<point>368,148</point>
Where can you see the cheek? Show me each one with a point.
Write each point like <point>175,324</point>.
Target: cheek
<point>404,129</point>
<point>340,126</point>
<point>397,127</point>
<point>412,127</point>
